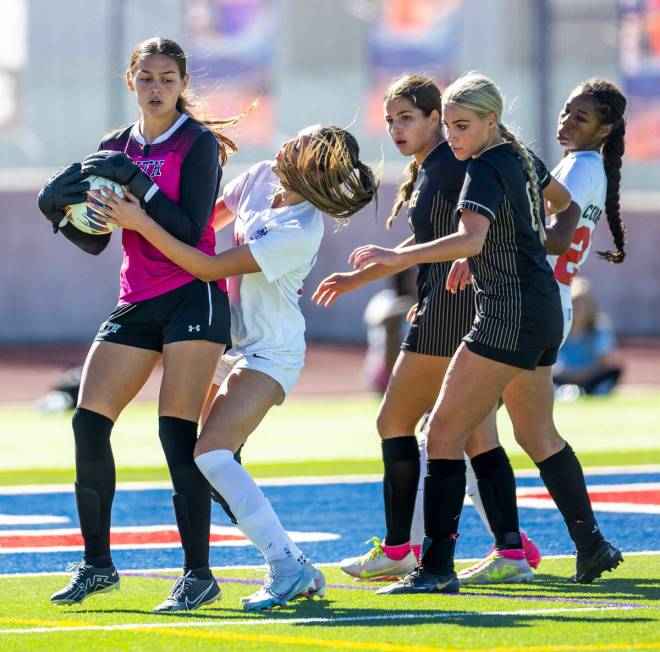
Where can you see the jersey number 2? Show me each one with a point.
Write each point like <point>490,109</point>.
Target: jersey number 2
<point>568,264</point>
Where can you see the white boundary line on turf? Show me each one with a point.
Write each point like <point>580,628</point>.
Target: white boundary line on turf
<point>442,615</point>
<point>11,490</point>
<point>219,569</point>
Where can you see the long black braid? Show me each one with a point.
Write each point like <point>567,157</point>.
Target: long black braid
<point>611,105</point>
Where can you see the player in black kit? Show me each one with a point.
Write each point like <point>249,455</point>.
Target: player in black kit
<point>518,326</point>
<point>413,106</point>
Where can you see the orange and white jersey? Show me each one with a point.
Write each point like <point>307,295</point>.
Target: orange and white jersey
<point>584,176</point>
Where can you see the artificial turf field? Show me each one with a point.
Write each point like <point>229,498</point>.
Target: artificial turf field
<point>310,438</point>
<point>620,613</point>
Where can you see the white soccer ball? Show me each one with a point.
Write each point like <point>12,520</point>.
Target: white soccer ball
<point>84,217</point>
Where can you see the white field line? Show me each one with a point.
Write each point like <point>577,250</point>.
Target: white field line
<point>442,615</point>
<point>219,569</point>
<point>11,490</point>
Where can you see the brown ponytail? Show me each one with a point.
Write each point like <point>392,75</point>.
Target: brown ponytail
<point>405,191</point>
<point>611,105</point>
<point>329,174</point>
<point>426,96</point>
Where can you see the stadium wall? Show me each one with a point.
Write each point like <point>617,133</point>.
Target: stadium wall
<point>50,291</point>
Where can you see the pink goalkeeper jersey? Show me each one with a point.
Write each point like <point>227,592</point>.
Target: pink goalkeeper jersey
<point>145,271</point>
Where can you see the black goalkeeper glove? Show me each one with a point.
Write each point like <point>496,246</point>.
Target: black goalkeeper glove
<point>116,166</point>
<point>65,187</point>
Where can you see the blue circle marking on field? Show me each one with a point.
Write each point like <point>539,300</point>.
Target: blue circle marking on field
<point>331,520</point>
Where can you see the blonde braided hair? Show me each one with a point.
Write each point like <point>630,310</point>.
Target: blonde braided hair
<point>532,177</point>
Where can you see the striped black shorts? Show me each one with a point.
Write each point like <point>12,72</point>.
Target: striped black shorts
<point>441,322</point>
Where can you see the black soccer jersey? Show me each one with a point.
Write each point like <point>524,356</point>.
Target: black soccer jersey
<point>442,318</point>
<point>518,306</point>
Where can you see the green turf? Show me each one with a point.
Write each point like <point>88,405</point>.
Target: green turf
<point>539,616</point>
<point>309,468</point>
<point>317,437</point>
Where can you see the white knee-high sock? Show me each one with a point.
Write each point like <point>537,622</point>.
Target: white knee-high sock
<point>417,527</point>
<point>473,492</point>
<point>253,511</point>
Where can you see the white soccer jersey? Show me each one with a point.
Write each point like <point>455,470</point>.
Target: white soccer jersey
<point>584,176</point>
<point>266,319</point>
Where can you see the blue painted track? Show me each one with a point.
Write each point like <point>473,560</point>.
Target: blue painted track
<point>353,511</point>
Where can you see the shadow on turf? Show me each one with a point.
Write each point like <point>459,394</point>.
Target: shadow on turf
<point>319,608</point>
<point>459,617</point>
<point>607,588</point>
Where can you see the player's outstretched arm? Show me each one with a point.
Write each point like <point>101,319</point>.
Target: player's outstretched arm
<point>557,196</point>
<point>467,241</point>
<point>222,216</point>
<point>561,230</point>
<point>333,286</point>
<point>128,214</point>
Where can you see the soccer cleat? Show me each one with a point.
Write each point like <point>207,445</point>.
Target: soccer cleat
<point>531,550</point>
<point>590,565</point>
<point>278,589</point>
<point>376,564</point>
<point>86,580</point>
<point>190,592</point>
<point>421,581</point>
<point>496,569</point>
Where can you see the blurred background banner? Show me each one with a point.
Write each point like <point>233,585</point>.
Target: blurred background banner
<point>13,57</point>
<point>62,87</point>
<point>420,37</point>
<point>230,45</point>
<point>640,70</point>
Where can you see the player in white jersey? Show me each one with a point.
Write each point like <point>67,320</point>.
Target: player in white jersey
<point>276,207</point>
<point>591,129</point>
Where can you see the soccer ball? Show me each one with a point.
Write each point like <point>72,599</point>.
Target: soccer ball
<point>83,216</point>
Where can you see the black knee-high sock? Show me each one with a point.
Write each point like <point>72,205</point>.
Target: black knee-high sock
<point>401,460</point>
<point>562,475</point>
<point>497,489</point>
<point>192,493</point>
<point>444,492</point>
<point>95,483</point>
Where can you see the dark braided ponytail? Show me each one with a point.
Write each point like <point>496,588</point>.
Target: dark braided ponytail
<point>610,105</point>
<point>426,96</point>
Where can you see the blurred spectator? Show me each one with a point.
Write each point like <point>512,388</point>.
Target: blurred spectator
<point>385,319</point>
<point>64,395</point>
<point>584,361</point>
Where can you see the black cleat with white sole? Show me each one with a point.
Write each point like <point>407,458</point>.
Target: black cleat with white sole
<point>190,592</point>
<point>421,581</point>
<point>86,581</point>
<point>590,565</point>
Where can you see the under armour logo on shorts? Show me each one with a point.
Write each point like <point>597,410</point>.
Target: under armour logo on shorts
<point>192,328</point>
